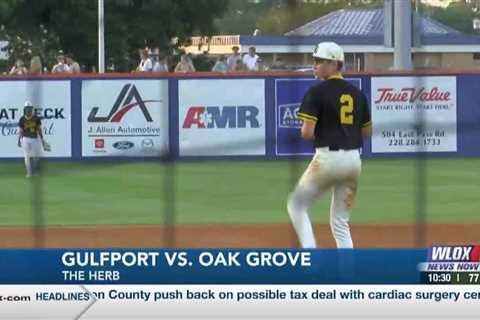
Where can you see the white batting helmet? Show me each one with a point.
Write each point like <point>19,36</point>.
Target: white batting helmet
<point>329,51</point>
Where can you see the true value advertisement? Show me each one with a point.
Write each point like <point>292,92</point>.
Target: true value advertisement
<point>124,118</point>
<point>414,114</point>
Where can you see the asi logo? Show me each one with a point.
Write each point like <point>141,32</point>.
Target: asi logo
<point>126,101</point>
<point>287,116</point>
<point>221,117</point>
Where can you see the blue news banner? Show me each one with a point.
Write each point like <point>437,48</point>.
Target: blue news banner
<point>229,266</point>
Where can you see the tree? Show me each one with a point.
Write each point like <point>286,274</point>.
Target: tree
<point>280,16</point>
<point>295,13</point>
<point>129,24</point>
<point>242,16</point>
<point>459,15</point>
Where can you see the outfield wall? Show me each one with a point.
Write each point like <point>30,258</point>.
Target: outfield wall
<point>210,115</point>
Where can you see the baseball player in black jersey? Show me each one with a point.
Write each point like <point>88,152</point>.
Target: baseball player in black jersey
<point>30,138</point>
<point>335,117</point>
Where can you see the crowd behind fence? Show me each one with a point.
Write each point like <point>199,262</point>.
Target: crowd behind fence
<point>153,60</point>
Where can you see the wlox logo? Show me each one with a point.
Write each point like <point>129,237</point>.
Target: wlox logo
<point>221,117</point>
<point>454,253</point>
<point>287,116</point>
<point>126,101</point>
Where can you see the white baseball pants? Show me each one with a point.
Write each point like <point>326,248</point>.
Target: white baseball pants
<point>32,148</point>
<point>328,170</point>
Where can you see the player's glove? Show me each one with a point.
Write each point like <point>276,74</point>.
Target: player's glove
<point>46,146</point>
<point>19,143</point>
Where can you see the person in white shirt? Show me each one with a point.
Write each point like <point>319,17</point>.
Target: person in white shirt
<point>146,64</point>
<point>73,66</point>
<point>250,59</point>
<point>61,66</point>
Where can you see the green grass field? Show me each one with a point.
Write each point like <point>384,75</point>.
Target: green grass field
<point>231,192</point>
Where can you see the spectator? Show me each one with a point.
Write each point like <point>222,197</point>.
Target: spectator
<point>250,59</point>
<point>239,66</point>
<point>185,65</point>
<point>233,59</point>
<point>190,60</point>
<point>161,64</point>
<point>36,65</point>
<point>261,66</point>
<point>73,66</point>
<point>61,66</point>
<point>278,65</point>
<point>18,68</point>
<point>220,65</point>
<point>145,64</point>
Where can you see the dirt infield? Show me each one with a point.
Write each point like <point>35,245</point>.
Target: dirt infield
<point>229,236</point>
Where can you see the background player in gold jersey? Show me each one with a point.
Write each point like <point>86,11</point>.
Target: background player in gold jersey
<point>30,139</point>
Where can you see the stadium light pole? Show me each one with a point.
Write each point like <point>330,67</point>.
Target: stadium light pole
<point>101,37</point>
<point>402,58</point>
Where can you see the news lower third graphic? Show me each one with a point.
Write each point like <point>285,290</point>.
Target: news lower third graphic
<point>143,283</point>
<point>436,265</point>
<point>451,265</point>
<point>212,266</point>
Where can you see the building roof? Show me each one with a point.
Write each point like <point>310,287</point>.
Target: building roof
<point>362,22</point>
<point>356,30</point>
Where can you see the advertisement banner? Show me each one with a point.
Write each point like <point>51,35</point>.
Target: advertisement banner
<point>288,98</point>
<point>222,117</point>
<point>124,118</point>
<point>52,103</point>
<point>414,114</point>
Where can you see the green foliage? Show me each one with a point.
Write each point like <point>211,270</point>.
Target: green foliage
<point>25,45</point>
<point>203,62</point>
<point>283,19</point>
<point>293,14</point>
<point>242,16</point>
<point>279,16</point>
<point>129,25</point>
<point>457,16</point>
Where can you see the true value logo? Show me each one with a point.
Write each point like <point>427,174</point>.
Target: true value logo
<point>385,95</point>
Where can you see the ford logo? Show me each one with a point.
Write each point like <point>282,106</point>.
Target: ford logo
<point>123,145</point>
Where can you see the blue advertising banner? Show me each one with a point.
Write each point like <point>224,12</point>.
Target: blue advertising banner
<point>468,114</point>
<point>288,97</point>
<point>122,266</point>
<point>454,127</point>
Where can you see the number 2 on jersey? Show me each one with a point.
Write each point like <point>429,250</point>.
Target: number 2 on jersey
<point>346,109</point>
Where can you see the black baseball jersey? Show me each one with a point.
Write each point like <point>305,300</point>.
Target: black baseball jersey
<point>30,126</point>
<point>340,110</point>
